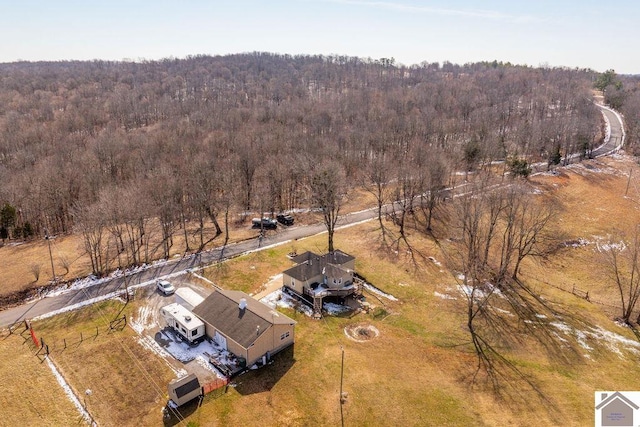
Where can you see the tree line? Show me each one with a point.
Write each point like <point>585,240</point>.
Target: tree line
<point>107,149</point>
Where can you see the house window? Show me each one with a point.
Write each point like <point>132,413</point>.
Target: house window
<point>194,332</point>
<point>285,335</point>
<point>183,330</point>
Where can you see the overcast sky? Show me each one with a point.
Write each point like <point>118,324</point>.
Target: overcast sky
<point>574,33</point>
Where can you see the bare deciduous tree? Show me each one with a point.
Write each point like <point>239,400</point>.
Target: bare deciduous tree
<point>623,259</point>
<point>35,270</point>
<point>328,191</point>
<point>497,229</point>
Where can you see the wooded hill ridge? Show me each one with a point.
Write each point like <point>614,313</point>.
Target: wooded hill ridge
<point>85,145</point>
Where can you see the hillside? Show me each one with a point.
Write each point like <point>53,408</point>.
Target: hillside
<point>419,369</point>
<point>136,157</point>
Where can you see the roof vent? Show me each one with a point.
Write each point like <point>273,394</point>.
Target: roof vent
<point>187,318</point>
<point>243,304</point>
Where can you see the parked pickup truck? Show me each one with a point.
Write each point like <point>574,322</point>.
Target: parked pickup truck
<point>285,219</point>
<point>268,223</point>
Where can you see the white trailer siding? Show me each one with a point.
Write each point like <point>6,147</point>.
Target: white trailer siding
<point>183,321</point>
<point>188,298</point>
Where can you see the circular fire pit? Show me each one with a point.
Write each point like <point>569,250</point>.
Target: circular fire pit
<point>361,332</point>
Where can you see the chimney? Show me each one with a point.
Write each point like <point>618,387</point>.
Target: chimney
<point>603,396</point>
<point>243,304</point>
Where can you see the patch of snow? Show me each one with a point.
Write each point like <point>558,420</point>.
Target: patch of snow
<point>144,320</point>
<point>614,340</point>
<point>444,296</point>
<point>581,338</point>
<point>69,392</point>
<point>354,224</point>
<point>479,292</point>
<point>274,245</point>
<point>541,316</point>
<point>562,326</point>
<point>435,261</point>
<point>79,305</point>
<point>577,243</point>
<point>610,246</point>
<point>278,298</point>
<point>378,292</point>
<point>500,310</point>
<point>151,345</point>
<point>104,297</point>
<point>202,278</point>
<point>335,309</point>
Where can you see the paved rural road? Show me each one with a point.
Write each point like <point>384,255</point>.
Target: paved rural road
<point>49,304</point>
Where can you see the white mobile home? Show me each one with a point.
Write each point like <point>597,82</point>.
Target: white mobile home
<point>183,321</point>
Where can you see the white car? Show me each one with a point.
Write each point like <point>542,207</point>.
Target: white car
<point>165,287</point>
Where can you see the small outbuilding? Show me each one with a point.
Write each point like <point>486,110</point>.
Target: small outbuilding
<point>185,389</point>
<point>244,326</point>
<point>187,324</point>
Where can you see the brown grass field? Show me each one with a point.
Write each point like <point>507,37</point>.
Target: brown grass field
<point>416,372</point>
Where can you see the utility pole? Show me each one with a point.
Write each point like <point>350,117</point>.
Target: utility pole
<point>48,239</point>
<point>342,399</point>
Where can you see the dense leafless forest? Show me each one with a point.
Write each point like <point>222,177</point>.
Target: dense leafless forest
<point>103,148</point>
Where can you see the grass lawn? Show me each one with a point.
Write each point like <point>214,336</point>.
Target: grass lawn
<point>127,382</point>
<point>31,396</point>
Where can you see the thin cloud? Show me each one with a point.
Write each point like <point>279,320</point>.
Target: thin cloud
<point>472,13</point>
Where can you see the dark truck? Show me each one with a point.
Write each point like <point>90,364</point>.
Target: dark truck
<point>284,219</point>
<point>267,223</point>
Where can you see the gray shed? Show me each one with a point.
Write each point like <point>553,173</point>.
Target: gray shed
<point>185,389</point>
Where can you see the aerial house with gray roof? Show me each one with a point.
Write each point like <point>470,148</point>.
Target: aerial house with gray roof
<point>318,276</point>
<point>244,326</point>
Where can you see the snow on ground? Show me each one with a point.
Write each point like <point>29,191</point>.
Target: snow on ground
<point>444,296</point>
<point>578,243</point>
<point>104,297</point>
<point>69,392</point>
<point>144,320</point>
<point>609,246</point>
<point>273,281</point>
<point>378,292</point>
<point>202,278</point>
<point>435,261</point>
<point>92,280</point>
<point>151,344</point>
<point>260,248</point>
<point>335,309</point>
<point>278,298</point>
<point>612,341</point>
<point>479,292</point>
<point>79,305</point>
